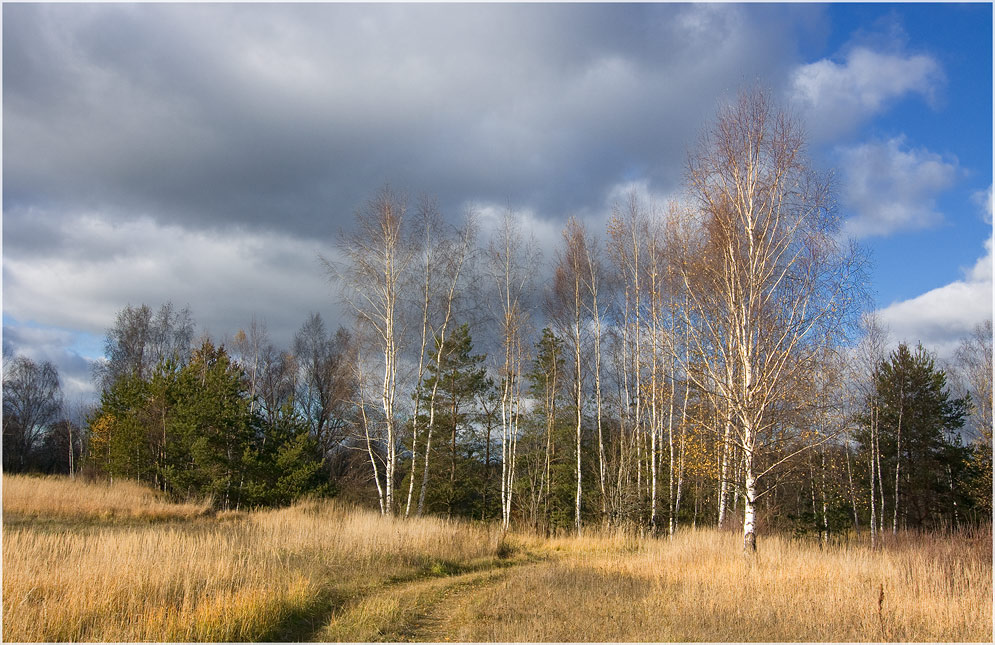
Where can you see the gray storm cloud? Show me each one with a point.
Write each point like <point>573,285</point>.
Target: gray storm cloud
<point>290,116</point>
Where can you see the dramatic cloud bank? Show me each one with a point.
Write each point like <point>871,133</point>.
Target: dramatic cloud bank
<point>257,114</point>
<point>207,153</point>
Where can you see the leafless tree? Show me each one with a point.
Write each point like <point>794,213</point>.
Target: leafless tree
<point>974,370</point>
<point>568,306</point>
<point>324,380</point>
<point>246,348</point>
<point>593,284</point>
<point>870,354</point>
<point>628,230</point>
<point>776,281</point>
<point>511,263</point>
<point>445,258</point>
<point>375,260</point>
<point>32,399</point>
<point>140,339</point>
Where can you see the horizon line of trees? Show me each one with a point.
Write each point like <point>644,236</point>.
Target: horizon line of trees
<point>699,364</point>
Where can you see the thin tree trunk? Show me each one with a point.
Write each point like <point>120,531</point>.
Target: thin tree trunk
<point>670,445</point>
<point>898,453</point>
<point>724,468</point>
<point>369,443</point>
<point>749,500</point>
<point>873,456</point>
<point>853,491</point>
<point>421,367</point>
<point>825,503</point>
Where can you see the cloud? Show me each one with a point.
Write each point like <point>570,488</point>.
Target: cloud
<point>204,154</point>
<point>54,345</point>
<point>941,317</point>
<point>254,113</point>
<point>836,97</point>
<point>986,201</point>
<point>889,187</point>
<point>226,277</point>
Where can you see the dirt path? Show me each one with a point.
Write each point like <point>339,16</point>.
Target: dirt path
<point>430,621</point>
<point>412,611</point>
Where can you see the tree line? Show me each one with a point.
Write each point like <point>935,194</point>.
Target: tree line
<point>702,362</point>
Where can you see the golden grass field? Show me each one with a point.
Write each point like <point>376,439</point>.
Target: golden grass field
<point>116,563</point>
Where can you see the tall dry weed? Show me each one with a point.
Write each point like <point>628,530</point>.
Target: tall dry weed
<point>57,496</point>
<point>248,578</point>
<point>700,587</point>
<point>278,575</point>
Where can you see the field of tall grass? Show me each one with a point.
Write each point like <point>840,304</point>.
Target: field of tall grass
<point>67,498</point>
<point>699,586</point>
<point>244,577</point>
<point>80,562</point>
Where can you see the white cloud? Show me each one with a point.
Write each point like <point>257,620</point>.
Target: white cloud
<point>226,277</point>
<point>545,233</point>
<point>620,192</point>
<point>889,187</point>
<point>941,317</point>
<point>986,200</point>
<point>836,97</point>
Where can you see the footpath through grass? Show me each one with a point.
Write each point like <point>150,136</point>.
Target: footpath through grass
<point>321,571</point>
<point>82,572</point>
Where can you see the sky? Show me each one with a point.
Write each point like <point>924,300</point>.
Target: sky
<point>206,154</point>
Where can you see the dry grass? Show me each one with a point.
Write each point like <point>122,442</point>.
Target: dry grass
<point>258,576</point>
<point>699,587</point>
<point>76,499</point>
<point>322,570</point>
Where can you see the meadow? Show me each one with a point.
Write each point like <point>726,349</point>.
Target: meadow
<point>100,562</point>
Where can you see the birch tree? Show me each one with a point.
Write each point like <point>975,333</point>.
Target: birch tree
<point>568,304</point>
<point>776,281</point>
<point>593,283</point>
<point>974,368</point>
<point>375,259</point>
<point>864,375</point>
<point>628,230</point>
<point>511,264</point>
<point>32,399</point>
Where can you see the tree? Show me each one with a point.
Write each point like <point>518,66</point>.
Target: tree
<point>549,498</point>
<point>974,367</point>
<point>140,339</point>
<point>130,432</point>
<point>628,229</point>
<point>767,279</point>
<point>324,385</point>
<point>193,431</point>
<point>865,371</point>
<point>32,399</point>
<point>567,306</point>
<point>919,441</point>
<point>285,466</point>
<point>247,350</point>
<point>377,258</point>
<point>458,379</point>
<point>276,387</point>
<point>444,258</point>
<point>511,263</point>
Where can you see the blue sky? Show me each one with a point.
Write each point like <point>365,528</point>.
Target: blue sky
<point>206,154</point>
<point>956,125</point>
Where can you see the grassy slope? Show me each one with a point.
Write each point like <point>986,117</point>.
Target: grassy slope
<point>80,569</point>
